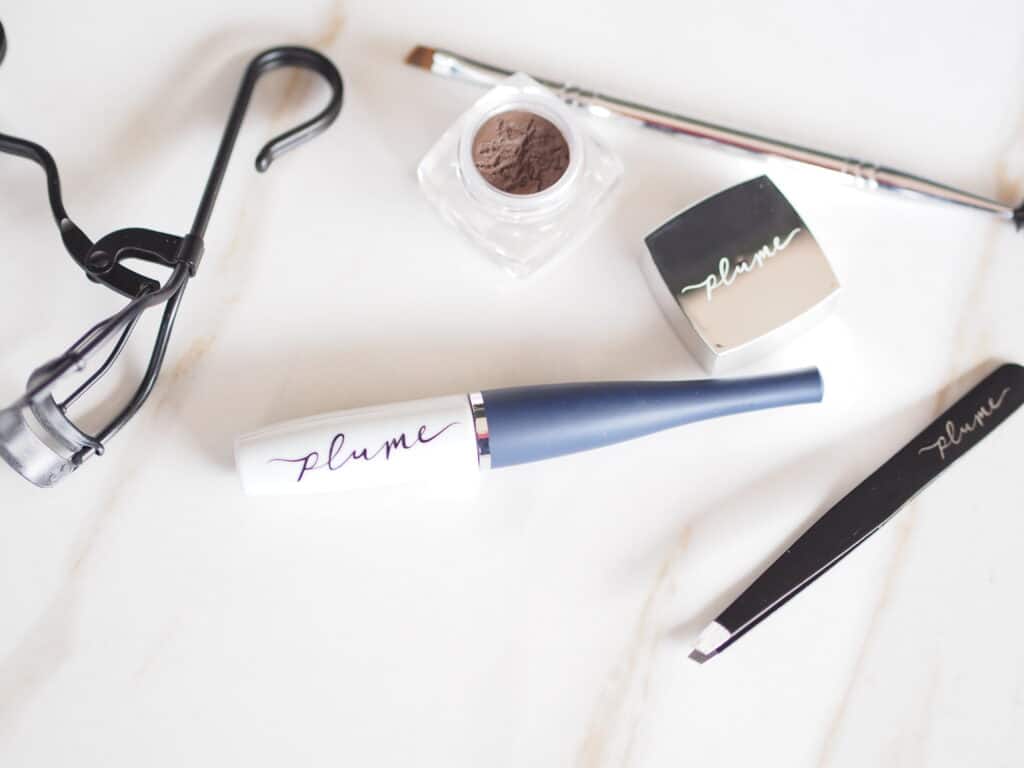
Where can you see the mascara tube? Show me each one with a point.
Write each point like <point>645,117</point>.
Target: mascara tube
<point>451,439</point>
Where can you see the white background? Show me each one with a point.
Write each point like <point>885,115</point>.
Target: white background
<point>151,615</point>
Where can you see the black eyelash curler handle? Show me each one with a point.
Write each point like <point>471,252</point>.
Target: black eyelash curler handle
<point>37,437</point>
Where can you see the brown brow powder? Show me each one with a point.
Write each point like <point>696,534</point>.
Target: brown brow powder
<point>520,153</point>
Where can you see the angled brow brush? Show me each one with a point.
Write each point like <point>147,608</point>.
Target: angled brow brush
<point>868,506</point>
<point>867,175</point>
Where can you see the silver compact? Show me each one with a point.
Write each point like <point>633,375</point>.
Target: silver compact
<point>739,274</point>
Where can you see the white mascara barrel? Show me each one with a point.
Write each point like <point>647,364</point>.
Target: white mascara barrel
<point>431,440</point>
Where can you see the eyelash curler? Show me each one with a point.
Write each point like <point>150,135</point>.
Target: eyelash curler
<point>37,436</point>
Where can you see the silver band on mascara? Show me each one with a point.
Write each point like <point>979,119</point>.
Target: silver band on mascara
<point>478,410</point>
<point>954,434</point>
<point>728,272</point>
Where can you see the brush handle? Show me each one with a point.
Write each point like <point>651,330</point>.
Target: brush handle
<point>861,173</point>
<point>535,423</point>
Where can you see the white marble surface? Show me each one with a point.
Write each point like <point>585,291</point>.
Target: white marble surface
<point>151,615</point>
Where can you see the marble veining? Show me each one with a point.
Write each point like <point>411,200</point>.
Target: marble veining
<point>152,615</point>
<point>614,725</point>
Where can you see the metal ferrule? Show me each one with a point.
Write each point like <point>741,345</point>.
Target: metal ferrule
<point>478,410</point>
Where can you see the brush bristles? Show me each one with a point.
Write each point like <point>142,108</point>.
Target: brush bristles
<point>1018,217</point>
<point>421,57</point>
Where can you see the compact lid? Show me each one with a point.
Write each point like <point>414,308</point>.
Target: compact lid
<point>739,274</point>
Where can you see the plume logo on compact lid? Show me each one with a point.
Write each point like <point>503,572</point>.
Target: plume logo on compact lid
<point>739,274</point>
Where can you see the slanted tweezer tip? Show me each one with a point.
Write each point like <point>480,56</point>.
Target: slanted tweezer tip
<point>710,642</point>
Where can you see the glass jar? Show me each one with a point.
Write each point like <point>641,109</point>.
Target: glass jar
<point>520,232</point>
